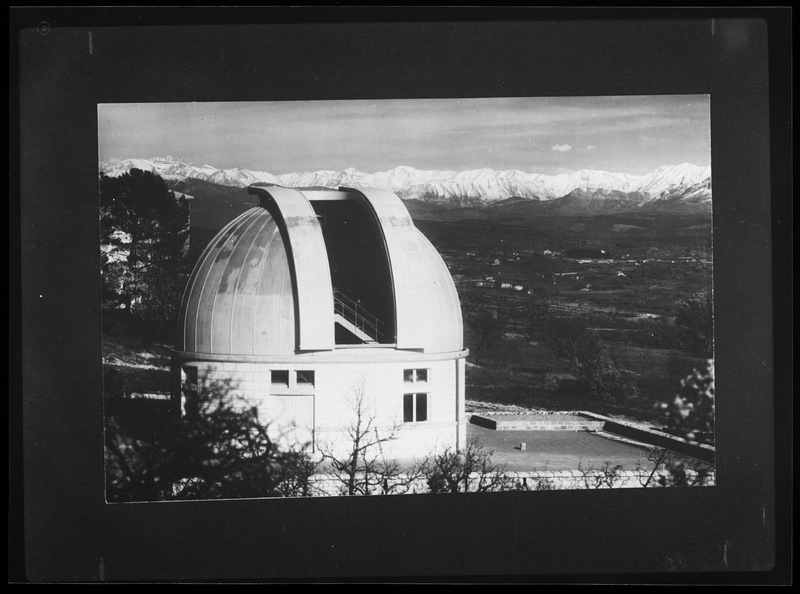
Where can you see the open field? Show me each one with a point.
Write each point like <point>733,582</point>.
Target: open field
<point>628,294</point>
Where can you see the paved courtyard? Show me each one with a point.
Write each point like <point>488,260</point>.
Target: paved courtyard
<point>558,450</point>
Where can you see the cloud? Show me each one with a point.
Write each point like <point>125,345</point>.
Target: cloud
<point>561,148</point>
<point>590,147</point>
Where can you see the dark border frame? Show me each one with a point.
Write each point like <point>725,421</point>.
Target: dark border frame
<point>65,61</point>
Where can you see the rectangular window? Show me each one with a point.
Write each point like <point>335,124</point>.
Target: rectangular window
<point>305,378</point>
<point>415,408</point>
<point>189,378</point>
<point>422,407</point>
<point>280,377</point>
<point>189,404</point>
<point>413,376</point>
<point>408,408</point>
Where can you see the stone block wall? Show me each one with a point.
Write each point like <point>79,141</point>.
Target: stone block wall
<point>538,423</point>
<point>564,480</point>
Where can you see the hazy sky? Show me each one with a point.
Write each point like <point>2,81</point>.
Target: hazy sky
<point>634,134</point>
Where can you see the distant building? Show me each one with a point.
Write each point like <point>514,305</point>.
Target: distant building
<point>315,295</point>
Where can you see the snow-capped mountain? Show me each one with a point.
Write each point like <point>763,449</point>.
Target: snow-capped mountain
<point>173,168</point>
<point>669,178</point>
<point>452,188</point>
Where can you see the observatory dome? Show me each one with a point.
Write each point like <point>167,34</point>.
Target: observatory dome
<point>317,270</point>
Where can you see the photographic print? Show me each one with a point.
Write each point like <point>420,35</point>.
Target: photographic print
<point>405,297</point>
<point>269,258</point>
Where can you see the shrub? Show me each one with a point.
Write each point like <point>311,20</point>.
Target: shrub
<point>219,449</point>
<point>470,470</point>
<point>691,413</point>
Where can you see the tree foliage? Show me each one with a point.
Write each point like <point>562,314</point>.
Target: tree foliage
<point>585,357</point>
<point>144,239</point>
<point>218,449</point>
<point>691,413</point>
<point>695,317</point>
<point>488,325</point>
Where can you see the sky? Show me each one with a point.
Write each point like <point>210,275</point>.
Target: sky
<point>546,135</point>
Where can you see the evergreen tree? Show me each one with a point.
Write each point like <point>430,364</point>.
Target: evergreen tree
<point>144,238</point>
<point>695,318</point>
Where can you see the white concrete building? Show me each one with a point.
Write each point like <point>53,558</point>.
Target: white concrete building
<point>315,296</point>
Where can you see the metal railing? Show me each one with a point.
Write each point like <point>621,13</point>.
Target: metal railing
<point>352,311</point>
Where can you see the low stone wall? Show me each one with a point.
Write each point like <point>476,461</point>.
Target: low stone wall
<point>552,480</point>
<point>597,478</point>
<point>537,423</point>
<point>703,452</point>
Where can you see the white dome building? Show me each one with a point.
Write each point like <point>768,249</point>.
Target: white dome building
<point>316,296</point>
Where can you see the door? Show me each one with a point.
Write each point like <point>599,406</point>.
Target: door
<point>292,420</point>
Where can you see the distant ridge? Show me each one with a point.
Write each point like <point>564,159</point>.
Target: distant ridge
<point>678,185</point>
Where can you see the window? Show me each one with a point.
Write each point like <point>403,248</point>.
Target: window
<point>413,376</point>
<point>285,381</point>
<point>415,408</point>
<point>189,378</point>
<point>189,404</point>
<point>305,378</point>
<point>280,377</point>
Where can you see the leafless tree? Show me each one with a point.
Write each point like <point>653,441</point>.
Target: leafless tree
<point>395,478</point>
<point>536,483</point>
<point>363,468</point>
<point>677,471</point>
<point>605,477</point>
<point>469,470</point>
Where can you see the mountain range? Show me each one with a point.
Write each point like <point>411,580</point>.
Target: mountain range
<point>683,188</point>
